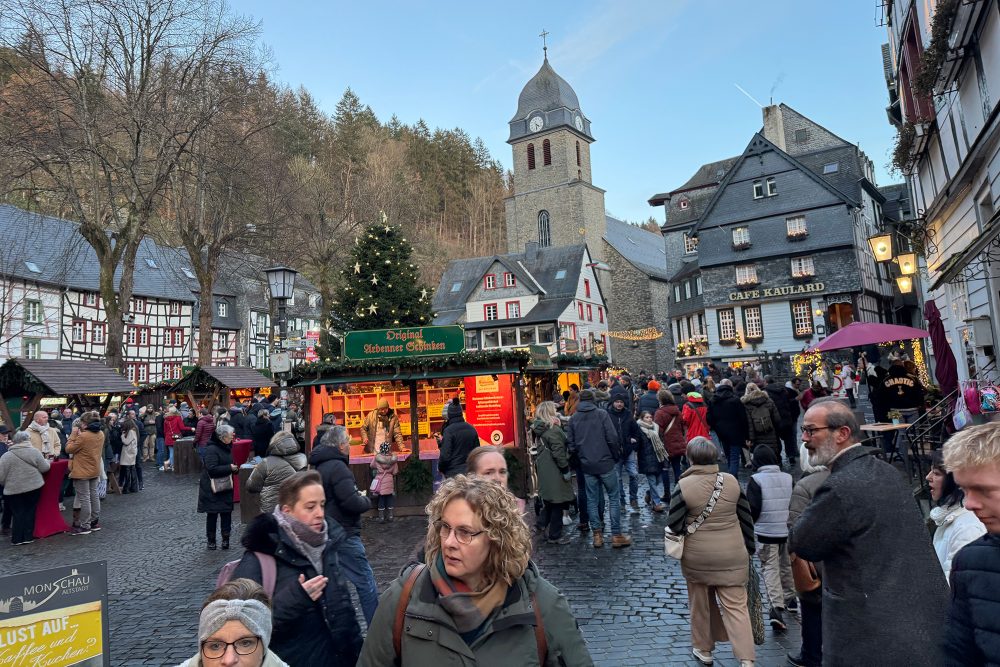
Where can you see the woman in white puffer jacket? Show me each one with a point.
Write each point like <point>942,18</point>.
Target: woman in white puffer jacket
<point>956,526</point>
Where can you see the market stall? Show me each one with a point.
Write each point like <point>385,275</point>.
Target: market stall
<point>219,385</point>
<point>545,377</point>
<point>416,387</point>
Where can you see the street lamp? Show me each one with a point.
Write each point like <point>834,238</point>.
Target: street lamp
<point>905,284</point>
<point>881,245</point>
<point>281,283</point>
<point>907,263</point>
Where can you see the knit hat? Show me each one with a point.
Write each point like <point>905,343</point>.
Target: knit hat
<point>384,449</point>
<point>694,394</point>
<point>653,385</point>
<point>253,614</point>
<point>383,403</point>
<point>454,409</point>
<point>4,428</point>
<point>587,395</point>
<point>763,455</point>
<point>675,389</point>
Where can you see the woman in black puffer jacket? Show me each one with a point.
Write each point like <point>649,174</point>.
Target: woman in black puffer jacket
<point>218,466</point>
<point>313,618</point>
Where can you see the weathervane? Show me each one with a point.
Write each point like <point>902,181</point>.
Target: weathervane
<point>545,46</point>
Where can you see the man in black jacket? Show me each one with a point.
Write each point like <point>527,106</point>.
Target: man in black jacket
<point>728,418</point>
<point>591,436</point>
<point>459,438</point>
<point>345,504</point>
<point>972,636</point>
<point>877,609</point>
<point>787,405</point>
<point>628,436</point>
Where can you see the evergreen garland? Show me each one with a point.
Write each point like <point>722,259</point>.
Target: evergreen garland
<point>381,287</point>
<point>514,360</point>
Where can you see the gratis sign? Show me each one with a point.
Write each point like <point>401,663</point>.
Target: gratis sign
<point>404,342</point>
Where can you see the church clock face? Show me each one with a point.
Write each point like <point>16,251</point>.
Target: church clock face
<point>535,124</point>
<point>579,123</point>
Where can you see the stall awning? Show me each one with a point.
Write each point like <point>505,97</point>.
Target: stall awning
<point>987,243</point>
<point>231,377</point>
<point>60,377</point>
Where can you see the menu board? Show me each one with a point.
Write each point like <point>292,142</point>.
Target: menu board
<point>489,406</point>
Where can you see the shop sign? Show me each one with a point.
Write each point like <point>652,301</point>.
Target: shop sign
<point>569,346</point>
<point>281,362</point>
<point>769,292</point>
<point>539,356</point>
<point>489,406</point>
<point>55,617</point>
<point>404,342</point>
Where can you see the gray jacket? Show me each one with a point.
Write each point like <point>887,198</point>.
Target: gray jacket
<point>21,469</point>
<point>283,460</point>
<point>776,492</point>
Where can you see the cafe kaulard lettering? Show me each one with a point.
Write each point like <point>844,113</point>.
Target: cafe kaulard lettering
<point>776,291</point>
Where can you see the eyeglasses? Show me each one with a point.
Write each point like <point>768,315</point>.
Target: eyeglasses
<point>216,648</point>
<point>811,430</point>
<point>463,535</point>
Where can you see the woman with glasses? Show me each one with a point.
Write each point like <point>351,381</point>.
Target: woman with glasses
<point>314,620</point>
<point>235,628</point>
<point>479,599</point>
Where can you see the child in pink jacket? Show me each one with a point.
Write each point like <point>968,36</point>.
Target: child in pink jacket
<point>384,471</point>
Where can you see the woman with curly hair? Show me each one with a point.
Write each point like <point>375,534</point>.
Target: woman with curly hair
<point>479,599</point>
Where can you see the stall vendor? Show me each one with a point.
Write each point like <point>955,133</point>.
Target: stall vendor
<point>381,425</point>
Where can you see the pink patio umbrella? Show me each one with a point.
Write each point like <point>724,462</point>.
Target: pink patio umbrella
<point>858,334</point>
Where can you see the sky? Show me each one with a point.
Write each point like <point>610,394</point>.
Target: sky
<point>657,79</point>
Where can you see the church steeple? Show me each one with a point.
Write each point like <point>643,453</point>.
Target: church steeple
<point>546,102</point>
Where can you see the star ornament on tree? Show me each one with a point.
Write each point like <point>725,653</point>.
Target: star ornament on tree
<point>374,279</point>
<point>423,294</point>
<point>357,267</point>
<point>372,309</point>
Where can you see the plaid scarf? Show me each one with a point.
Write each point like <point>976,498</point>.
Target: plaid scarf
<point>468,609</point>
<point>654,438</point>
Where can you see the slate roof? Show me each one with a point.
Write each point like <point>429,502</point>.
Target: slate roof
<point>897,204</point>
<point>66,259</point>
<point>641,248</point>
<point>697,200</point>
<point>688,268</point>
<point>711,173</point>
<point>233,377</point>
<point>847,178</point>
<point>545,91</point>
<point>61,377</point>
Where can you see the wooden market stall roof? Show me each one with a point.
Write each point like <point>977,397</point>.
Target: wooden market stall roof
<point>60,377</point>
<point>229,377</point>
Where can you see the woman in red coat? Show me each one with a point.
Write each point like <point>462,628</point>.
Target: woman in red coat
<point>695,415</point>
<point>671,427</point>
<point>173,428</point>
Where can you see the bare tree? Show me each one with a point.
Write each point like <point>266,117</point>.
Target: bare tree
<point>103,103</point>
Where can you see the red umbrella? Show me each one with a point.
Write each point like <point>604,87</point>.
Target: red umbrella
<point>858,334</point>
<point>945,366</point>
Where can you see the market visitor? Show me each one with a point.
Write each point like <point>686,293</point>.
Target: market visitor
<point>215,489</point>
<point>173,429</point>
<point>282,461</point>
<point>763,419</point>
<point>670,426</point>
<point>728,418</point>
<point>127,477</point>
<point>5,516</point>
<point>628,436</point>
<point>384,467</point>
<point>787,402</point>
<point>345,505</point>
<point>860,515</point>
<point>458,439</point>
<point>973,457</point>
<point>551,459</point>
<point>261,432</point>
<point>21,470</point>
<point>954,525</point>
<point>716,559</point>
<point>769,491</point>
<point>694,413</point>
<point>479,595</point>
<point>43,437</point>
<point>234,628</point>
<point>489,461</point>
<point>654,460</point>
<point>381,425</point>
<point>313,616</point>
<point>86,445</point>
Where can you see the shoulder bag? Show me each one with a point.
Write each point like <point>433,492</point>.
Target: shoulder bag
<point>673,543</point>
<point>221,484</point>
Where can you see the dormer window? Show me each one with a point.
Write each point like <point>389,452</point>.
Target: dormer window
<point>831,168</point>
<point>456,286</point>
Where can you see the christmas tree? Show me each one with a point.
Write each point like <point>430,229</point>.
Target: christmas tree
<point>381,288</point>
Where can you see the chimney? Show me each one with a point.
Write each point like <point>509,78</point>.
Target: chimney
<point>774,126</point>
<point>531,251</point>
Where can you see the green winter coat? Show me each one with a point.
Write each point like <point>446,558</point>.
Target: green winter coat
<point>430,638</point>
<point>550,463</point>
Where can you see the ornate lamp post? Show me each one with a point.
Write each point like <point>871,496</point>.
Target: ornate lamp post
<point>281,283</point>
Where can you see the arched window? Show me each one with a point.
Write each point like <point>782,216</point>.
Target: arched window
<point>578,153</point>
<point>546,152</point>
<point>544,237</point>
<point>531,156</point>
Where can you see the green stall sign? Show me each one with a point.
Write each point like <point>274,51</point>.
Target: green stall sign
<point>404,342</point>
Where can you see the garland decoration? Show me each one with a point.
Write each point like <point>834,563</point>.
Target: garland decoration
<point>515,359</point>
<point>649,333</point>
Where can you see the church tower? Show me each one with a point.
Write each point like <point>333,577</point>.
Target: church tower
<point>554,202</point>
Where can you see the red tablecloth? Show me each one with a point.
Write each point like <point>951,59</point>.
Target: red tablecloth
<point>48,520</point>
<point>241,452</point>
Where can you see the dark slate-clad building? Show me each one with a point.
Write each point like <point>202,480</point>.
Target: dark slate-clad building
<point>781,241</point>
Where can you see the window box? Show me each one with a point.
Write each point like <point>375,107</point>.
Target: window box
<point>798,235</point>
<point>754,339</point>
<point>803,277</point>
<point>742,245</point>
<point>753,282</point>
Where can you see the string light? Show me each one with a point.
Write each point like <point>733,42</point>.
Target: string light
<point>803,360</point>
<point>918,359</point>
<point>649,333</point>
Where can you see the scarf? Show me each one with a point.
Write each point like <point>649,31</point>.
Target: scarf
<point>468,609</point>
<point>654,437</point>
<point>306,541</point>
<point>44,433</point>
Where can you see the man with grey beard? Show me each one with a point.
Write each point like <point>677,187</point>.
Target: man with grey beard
<point>885,597</point>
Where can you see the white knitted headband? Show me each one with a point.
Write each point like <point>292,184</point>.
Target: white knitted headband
<point>252,613</point>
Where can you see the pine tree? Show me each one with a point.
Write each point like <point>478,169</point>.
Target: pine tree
<point>381,287</point>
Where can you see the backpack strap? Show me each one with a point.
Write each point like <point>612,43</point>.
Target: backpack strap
<point>404,602</point>
<point>268,571</point>
<point>540,640</point>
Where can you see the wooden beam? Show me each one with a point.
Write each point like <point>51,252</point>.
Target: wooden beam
<point>5,412</point>
<point>105,403</point>
<point>414,421</point>
<point>29,408</point>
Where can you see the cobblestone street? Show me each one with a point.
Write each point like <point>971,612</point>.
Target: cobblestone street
<point>631,603</point>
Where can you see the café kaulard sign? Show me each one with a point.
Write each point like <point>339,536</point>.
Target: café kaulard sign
<point>404,342</point>
<point>56,617</point>
<point>771,292</point>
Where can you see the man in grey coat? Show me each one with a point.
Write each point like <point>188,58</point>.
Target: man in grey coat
<point>884,595</point>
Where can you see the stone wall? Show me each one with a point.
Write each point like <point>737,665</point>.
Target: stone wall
<point>636,302</point>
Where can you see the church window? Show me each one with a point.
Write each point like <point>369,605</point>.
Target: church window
<point>544,235</point>
<point>546,152</point>
<point>578,153</point>
<point>531,156</point>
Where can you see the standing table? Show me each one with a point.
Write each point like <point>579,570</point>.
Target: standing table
<point>879,427</point>
<point>48,520</point>
<point>241,453</point>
